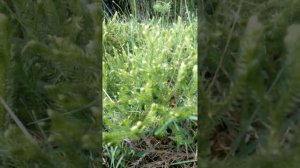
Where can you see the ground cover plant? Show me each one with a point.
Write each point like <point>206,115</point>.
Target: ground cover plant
<point>150,92</point>
<point>249,83</point>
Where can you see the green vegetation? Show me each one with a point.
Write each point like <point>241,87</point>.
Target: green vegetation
<point>150,92</point>
<point>50,83</point>
<point>144,9</point>
<point>249,85</point>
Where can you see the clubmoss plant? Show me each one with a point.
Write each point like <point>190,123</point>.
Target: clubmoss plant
<point>248,80</point>
<point>150,89</point>
<point>50,83</point>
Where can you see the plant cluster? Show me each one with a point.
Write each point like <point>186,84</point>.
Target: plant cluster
<point>249,82</point>
<point>150,92</point>
<point>50,83</point>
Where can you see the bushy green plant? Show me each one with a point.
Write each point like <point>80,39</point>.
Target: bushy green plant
<point>50,82</point>
<point>248,89</point>
<point>150,84</point>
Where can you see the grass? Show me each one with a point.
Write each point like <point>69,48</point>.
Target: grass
<point>150,86</point>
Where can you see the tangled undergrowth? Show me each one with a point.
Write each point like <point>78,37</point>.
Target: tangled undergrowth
<point>150,93</point>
